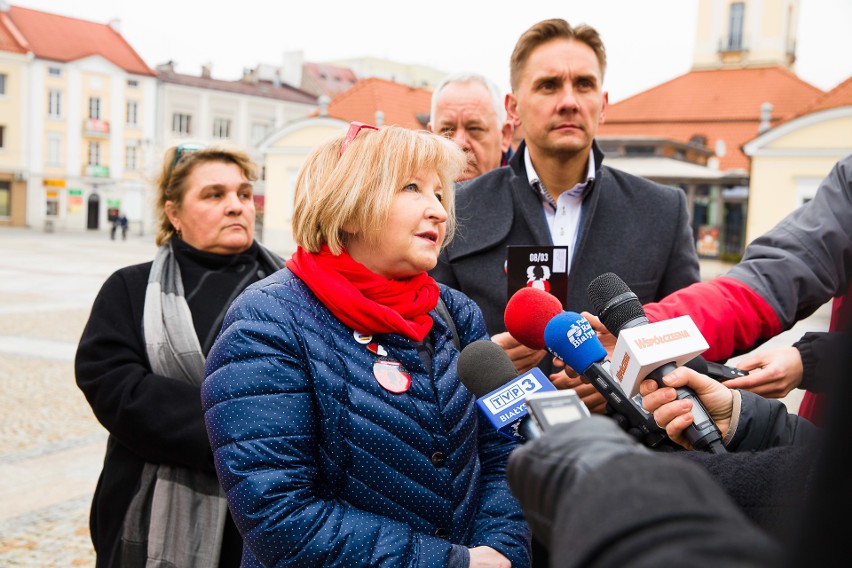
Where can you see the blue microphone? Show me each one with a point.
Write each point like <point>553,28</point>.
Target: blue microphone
<point>571,338</point>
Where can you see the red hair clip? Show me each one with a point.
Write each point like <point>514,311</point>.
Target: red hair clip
<point>354,128</point>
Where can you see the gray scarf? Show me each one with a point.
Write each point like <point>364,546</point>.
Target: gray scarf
<point>177,516</point>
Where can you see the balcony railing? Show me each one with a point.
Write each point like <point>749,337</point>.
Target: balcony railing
<point>90,170</point>
<point>733,44</point>
<point>95,127</point>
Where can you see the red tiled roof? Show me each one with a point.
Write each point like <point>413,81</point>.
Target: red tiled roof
<point>719,104</point>
<point>61,38</point>
<point>400,103</point>
<point>10,38</point>
<point>839,96</point>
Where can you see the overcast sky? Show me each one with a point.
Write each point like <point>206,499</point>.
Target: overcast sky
<point>648,41</point>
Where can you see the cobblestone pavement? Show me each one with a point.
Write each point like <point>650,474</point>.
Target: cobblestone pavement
<point>51,446</point>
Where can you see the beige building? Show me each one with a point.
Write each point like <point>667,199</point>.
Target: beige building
<point>80,118</point>
<point>13,138</point>
<point>742,91</point>
<point>409,74</point>
<point>737,33</point>
<point>789,161</point>
<point>285,151</point>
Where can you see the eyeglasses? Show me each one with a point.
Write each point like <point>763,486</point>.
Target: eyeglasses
<point>182,150</point>
<point>354,129</point>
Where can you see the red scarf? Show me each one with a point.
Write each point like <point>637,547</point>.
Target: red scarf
<point>362,299</point>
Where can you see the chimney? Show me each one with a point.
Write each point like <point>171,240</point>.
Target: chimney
<point>167,67</point>
<point>249,75</point>
<point>115,25</point>
<point>380,118</point>
<point>765,117</point>
<point>291,66</point>
<point>323,104</point>
<point>206,70</point>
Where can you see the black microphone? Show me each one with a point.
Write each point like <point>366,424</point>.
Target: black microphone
<point>619,309</point>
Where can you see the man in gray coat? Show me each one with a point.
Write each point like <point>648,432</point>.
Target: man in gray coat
<point>556,191</point>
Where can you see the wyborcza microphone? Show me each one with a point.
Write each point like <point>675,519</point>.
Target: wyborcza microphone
<point>652,350</point>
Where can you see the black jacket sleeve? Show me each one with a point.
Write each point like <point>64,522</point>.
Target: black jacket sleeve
<point>822,365</point>
<point>158,418</point>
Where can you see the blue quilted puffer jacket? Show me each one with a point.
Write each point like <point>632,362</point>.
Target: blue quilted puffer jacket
<point>324,467</point>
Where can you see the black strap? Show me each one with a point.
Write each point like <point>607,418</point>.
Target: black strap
<point>442,310</point>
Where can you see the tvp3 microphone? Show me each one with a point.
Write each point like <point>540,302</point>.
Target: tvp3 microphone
<point>502,395</point>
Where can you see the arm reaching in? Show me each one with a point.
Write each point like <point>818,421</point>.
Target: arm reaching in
<point>773,373</point>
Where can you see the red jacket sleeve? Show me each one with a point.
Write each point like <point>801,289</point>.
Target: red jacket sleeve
<point>732,317</point>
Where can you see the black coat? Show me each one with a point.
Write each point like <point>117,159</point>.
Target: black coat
<point>631,226</point>
<point>151,418</point>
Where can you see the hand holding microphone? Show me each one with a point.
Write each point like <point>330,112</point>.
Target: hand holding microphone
<point>675,414</point>
<point>652,350</point>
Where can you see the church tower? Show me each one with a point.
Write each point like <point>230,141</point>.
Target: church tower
<point>746,33</point>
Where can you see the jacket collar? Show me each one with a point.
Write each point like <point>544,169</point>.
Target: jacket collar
<point>517,161</point>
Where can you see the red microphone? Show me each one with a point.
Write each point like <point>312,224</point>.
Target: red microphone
<point>527,314</point>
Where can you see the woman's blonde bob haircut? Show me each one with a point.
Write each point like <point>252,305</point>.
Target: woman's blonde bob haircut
<point>340,195</point>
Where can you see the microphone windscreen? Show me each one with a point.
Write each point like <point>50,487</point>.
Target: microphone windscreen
<point>571,338</point>
<point>483,367</point>
<point>614,301</point>
<point>527,313</point>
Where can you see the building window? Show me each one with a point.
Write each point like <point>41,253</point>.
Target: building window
<point>2,83</point>
<point>698,140</point>
<point>54,103</point>
<point>735,37</point>
<point>94,154</point>
<point>2,137</point>
<point>5,199</point>
<point>54,71</point>
<point>130,157</point>
<point>133,83</point>
<point>95,108</point>
<point>132,113</point>
<point>221,128</point>
<point>54,148</point>
<point>259,131</point>
<point>181,123</point>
